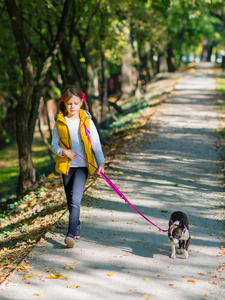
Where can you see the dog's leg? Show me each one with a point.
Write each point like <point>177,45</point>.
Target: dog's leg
<point>173,248</point>
<point>185,253</point>
<point>185,249</point>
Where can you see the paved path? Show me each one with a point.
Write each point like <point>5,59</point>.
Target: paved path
<point>175,164</point>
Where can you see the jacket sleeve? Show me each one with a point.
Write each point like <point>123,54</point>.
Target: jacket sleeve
<point>96,144</point>
<point>55,143</point>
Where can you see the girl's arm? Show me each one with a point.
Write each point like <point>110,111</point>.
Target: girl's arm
<point>55,143</point>
<point>96,144</point>
<point>59,150</point>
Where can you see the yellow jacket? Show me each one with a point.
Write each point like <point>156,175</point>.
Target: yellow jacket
<point>63,163</point>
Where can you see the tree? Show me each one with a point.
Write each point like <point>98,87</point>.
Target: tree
<point>28,103</point>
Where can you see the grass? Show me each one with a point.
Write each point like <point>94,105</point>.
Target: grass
<point>9,164</point>
<point>220,86</point>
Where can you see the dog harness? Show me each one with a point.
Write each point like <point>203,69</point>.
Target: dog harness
<point>177,222</point>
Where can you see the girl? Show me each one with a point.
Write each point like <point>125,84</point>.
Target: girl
<point>75,133</point>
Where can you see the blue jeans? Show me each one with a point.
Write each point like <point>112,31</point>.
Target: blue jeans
<point>74,184</point>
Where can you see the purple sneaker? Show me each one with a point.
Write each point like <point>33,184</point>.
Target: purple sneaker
<point>77,233</point>
<point>69,241</point>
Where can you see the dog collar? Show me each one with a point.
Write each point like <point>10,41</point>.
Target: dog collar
<point>177,222</point>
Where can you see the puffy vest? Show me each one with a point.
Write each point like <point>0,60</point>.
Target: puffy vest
<point>63,163</point>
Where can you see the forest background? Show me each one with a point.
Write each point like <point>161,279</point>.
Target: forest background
<point>111,49</point>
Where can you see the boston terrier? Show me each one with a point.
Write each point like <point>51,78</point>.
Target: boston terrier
<point>178,233</point>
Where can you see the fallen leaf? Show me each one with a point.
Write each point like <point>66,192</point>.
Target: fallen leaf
<point>37,294</point>
<point>110,274</point>
<point>55,276</point>
<point>23,267</point>
<point>171,284</point>
<point>114,220</point>
<point>221,268</point>
<point>50,176</point>
<point>191,281</point>
<point>216,276</point>
<point>215,282</point>
<point>132,290</point>
<point>146,278</point>
<point>69,267</point>
<point>145,295</point>
<point>29,276</point>
<point>74,262</point>
<point>73,286</point>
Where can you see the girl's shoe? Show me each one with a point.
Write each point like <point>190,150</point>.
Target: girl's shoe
<point>77,233</point>
<point>69,241</point>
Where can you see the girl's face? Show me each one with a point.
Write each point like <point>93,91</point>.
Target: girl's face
<point>73,106</point>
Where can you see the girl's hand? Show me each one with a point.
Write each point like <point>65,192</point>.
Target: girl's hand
<point>101,168</point>
<point>71,154</point>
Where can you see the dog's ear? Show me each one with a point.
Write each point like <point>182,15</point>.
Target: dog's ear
<point>170,222</point>
<point>181,225</point>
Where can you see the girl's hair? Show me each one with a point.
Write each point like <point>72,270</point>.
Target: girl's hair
<point>69,92</point>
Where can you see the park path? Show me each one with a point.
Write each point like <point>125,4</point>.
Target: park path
<point>174,164</point>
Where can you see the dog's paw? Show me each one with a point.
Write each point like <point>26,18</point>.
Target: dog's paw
<point>173,256</point>
<point>185,254</point>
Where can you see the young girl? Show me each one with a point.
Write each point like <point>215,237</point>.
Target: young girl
<point>75,133</point>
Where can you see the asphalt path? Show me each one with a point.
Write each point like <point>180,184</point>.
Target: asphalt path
<point>173,163</point>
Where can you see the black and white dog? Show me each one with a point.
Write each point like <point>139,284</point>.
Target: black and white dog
<point>178,233</point>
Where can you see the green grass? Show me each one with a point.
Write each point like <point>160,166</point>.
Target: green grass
<point>220,86</point>
<point>9,164</point>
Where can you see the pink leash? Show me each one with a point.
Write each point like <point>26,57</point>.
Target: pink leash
<point>115,188</point>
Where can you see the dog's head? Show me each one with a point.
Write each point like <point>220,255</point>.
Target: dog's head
<point>176,231</point>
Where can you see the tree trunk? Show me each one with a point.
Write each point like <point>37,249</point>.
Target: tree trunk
<point>210,49</point>
<point>170,58</point>
<point>162,63</point>
<point>204,49</point>
<point>27,172</point>
<point>149,58</point>
<point>126,70</point>
<point>104,95</point>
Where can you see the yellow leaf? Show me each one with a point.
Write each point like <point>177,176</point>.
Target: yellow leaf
<point>37,294</point>
<point>23,267</point>
<point>132,290</point>
<point>55,276</point>
<point>69,267</point>
<point>28,276</point>
<point>110,274</point>
<point>145,295</point>
<point>74,262</point>
<point>191,281</point>
<point>39,245</point>
<point>146,278</point>
<point>73,286</point>
<point>114,220</point>
<point>50,176</point>
<point>221,268</point>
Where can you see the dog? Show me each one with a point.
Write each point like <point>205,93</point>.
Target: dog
<point>178,233</point>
